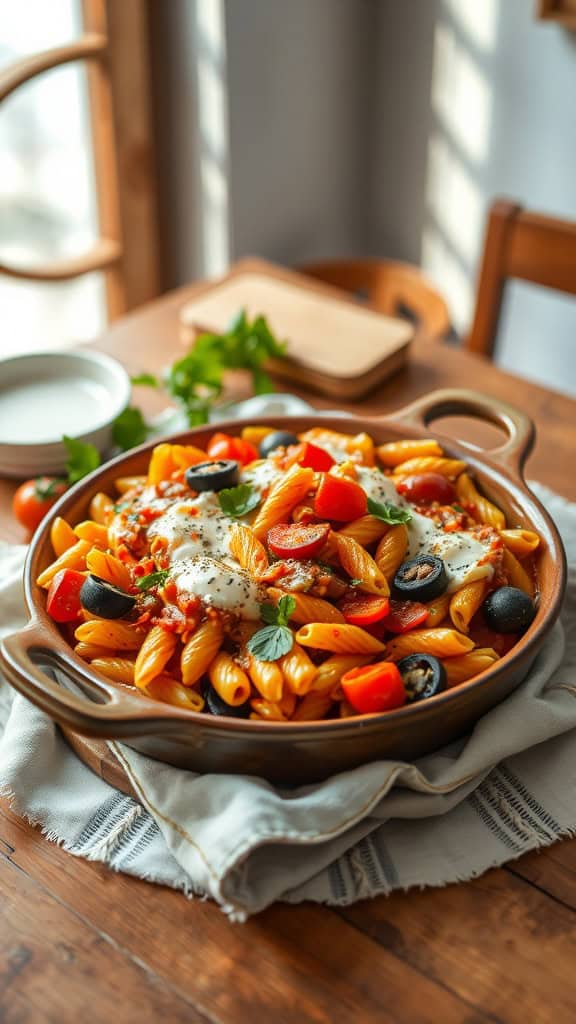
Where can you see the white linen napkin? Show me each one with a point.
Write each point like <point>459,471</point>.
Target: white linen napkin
<point>507,788</point>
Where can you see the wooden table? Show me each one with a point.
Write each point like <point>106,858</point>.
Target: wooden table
<point>76,939</point>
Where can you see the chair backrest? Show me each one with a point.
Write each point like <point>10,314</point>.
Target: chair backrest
<point>115,45</point>
<point>396,289</point>
<point>524,246</point>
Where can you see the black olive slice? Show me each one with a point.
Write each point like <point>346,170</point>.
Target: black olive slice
<point>423,676</point>
<point>104,599</point>
<point>508,610</point>
<point>421,579</point>
<point>216,706</point>
<point>279,439</point>
<point>212,476</point>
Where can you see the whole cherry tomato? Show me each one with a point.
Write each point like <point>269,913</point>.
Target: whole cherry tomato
<point>340,499</point>
<point>33,499</point>
<point>374,688</point>
<point>297,540</point>
<point>223,446</point>
<point>423,488</point>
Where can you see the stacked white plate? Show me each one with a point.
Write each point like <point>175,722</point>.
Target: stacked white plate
<point>46,395</point>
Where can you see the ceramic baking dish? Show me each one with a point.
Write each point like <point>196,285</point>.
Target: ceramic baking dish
<point>288,752</point>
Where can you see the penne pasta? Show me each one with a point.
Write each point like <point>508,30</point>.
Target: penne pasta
<point>101,508</point>
<point>93,532</point>
<point>170,691</point>
<point>200,651</point>
<point>288,492</point>
<point>438,610</point>
<point>154,655</point>
<point>391,551</point>
<point>109,568</point>
<point>247,549</point>
<point>361,566</point>
<point>482,510</point>
<point>516,573</point>
<point>431,464</point>
<point>299,671</point>
<point>521,543</point>
<point>465,603</point>
<point>114,635</point>
<point>365,530</point>
<point>62,536</point>
<point>73,557</point>
<point>119,670</point>
<point>339,639</point>
<point>308,608</point>
<point>441,642</point>
<point>330,672</point>
<point>396,452</point>
<point>267,677</point>
<point>229,680</point>
<point>459,669</point>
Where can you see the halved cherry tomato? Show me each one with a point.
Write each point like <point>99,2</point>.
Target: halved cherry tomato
<point>298,540</point>
<point>373,688</point>
<point>405,615</point>
<point>340,499</point>
<point>33,499</point>
<point>223,446</point>
<point>422,488</point>
<point>63,603</point>
<point>309,456</point>
<point>364,609</point>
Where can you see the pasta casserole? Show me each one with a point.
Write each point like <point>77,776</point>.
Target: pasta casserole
<point>292,578</point>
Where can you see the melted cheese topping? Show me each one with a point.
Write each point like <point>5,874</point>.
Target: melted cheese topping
<point>460,551</point>
<point>196,534</point>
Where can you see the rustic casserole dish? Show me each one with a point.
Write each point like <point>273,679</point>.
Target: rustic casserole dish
<point>83,701</point>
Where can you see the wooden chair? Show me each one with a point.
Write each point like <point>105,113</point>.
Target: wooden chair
<point>396,289</point>
<point>525,246</point>
<point>115,45</point>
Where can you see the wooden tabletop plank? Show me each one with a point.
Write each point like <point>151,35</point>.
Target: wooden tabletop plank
<point>497,942</point>
<point>311,965</point>
<point>50,956</point>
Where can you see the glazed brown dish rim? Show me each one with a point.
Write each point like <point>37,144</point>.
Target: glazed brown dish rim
<point>164,712</point>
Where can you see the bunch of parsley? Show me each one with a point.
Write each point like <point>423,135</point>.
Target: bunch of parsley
<point>197,380</point>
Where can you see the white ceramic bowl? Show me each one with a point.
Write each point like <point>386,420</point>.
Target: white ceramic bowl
<point>46,395</point>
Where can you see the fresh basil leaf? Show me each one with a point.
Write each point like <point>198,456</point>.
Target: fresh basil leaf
<point>153,579</point>
<point>389,513</point>
<point>129,429</point>
<point>286,606</point>
<point>354,582</point>
<point>269,614</point>
<point>83,458</point>
<point>238,501</point>
<point>271,643</point>
<point>146,380</point>
<point>458,508</point>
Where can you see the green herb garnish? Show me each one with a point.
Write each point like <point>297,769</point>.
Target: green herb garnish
<point>129,429</point>
<point>82,458</point>
<point>389,513</point>
<point>238,501</point>
<point>197,379</point>
<point>275,639</point>
<point>145,380</point>
<point>458,508</point>
<point>153,579</point>
<point>354,582</point>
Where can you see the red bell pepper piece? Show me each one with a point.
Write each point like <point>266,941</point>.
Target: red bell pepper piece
<point>373,688</point>
<point>340,499</point>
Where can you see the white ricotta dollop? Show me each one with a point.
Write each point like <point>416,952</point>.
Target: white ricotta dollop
<point>218,584</point>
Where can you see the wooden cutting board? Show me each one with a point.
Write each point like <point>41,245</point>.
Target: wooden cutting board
<point>334,347</point>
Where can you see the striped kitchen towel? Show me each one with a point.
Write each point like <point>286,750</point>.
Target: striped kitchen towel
<point>507,788</point>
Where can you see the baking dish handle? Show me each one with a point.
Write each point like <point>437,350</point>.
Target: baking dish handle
<point>512,453</point>
<point>98,710</point>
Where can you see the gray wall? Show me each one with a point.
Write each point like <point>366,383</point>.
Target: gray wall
<point>477,98</point>
<point>300,93</point>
